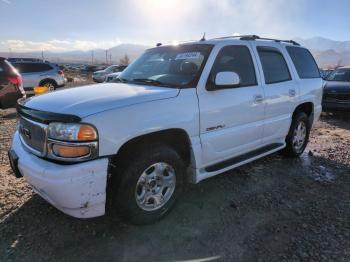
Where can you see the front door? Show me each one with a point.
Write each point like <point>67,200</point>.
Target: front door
<point>231,119</point>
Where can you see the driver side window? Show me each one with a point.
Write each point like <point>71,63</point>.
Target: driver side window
<point>235,59</point>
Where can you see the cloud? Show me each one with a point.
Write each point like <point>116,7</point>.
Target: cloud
<point>56,45</point>
<point>6,1</point>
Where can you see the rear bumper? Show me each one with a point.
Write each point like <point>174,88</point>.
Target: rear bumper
<point>78,190</point>
<point>335,106</point>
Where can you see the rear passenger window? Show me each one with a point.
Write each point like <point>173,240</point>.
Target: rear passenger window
<point>304,62</point>
<point>32,67</point>
<point>274,65</point>
<point>235,59</point>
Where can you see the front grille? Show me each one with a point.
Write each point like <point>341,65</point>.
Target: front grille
<point>337,97</point>
<point>33,134</point>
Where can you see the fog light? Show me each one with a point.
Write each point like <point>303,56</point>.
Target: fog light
<point>70,151</point>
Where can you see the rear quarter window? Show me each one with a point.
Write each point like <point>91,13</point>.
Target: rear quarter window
<point>32,67</point>
<point>304,62</point>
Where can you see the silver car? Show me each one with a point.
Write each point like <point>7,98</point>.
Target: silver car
<point>37,72</point>
<point>100,76</point>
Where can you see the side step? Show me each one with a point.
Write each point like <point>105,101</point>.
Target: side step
<point>235,160</point>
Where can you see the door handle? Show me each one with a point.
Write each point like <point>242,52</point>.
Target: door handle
<point>292,92</point>
<point>258,99</point>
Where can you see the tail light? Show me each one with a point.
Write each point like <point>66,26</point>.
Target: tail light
<point>15,80</point>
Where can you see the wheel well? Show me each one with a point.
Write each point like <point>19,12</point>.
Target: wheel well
<point>177,138</point>
<point>47,80</point>
<point>307,108</point>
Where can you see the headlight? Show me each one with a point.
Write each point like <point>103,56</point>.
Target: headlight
<point>72,142</point>
<point>72,132</point>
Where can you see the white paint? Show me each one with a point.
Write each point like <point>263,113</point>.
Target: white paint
<point>220,124</point>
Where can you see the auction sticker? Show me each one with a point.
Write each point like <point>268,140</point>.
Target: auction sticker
<point>188,55</point>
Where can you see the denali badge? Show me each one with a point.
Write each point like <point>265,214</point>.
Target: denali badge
<point>24,131</point>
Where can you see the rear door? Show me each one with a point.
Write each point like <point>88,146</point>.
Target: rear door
<point>231,119</point>
<point>281,90</point>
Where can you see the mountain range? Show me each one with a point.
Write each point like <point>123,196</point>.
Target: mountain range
<point>328,53</point>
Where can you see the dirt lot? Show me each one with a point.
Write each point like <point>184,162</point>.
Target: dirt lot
<point>274,209</point>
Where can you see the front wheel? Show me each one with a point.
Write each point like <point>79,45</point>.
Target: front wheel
<point>148,186</point>
<point>298,135</point>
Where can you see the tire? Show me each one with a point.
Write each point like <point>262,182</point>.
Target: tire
<point>50,84</point>
<point>139,192</point>
<point>298,135</point>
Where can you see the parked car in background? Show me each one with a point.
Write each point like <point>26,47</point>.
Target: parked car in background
<point>37,72</point>
<point>336,94</point>
<point>11,85</point>
<point>100,76</point>
<point>204,108</point>
<point>112,77</point>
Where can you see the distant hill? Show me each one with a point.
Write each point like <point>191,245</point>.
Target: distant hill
<point>77,56</point>
<point>328,53</point>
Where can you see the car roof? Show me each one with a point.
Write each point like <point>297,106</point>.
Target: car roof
<point>28,60</point>
<point>235,39</point>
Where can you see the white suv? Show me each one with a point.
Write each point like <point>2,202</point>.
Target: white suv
<point>179,113</point>
<point>37,72</point>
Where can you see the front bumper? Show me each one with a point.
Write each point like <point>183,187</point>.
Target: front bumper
<point>335,106</point>
<point>78,190</point>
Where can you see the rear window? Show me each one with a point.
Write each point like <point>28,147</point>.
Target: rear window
<point>304,62</point>
<point>5,67</point>
<point>274,65</point>
<point>32,67</point>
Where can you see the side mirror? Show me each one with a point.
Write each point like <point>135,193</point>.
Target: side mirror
<point>227,79</point>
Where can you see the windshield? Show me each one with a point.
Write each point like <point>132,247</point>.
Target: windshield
<point>340,74</point>
<point>170,66</point>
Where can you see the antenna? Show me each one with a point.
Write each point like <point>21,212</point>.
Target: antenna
<point>203,37</point>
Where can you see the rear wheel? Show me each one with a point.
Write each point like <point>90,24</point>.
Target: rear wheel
<point>146,188</point>
<point>298,135</point>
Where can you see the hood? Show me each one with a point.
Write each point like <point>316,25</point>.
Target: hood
<point>337,86</point>
<point>92,99</point>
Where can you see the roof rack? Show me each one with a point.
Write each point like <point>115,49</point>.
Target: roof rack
<point>255,37</point>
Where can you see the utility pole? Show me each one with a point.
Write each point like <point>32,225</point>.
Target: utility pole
<point>106,56</point>
<point>42,54</point>
<point>10,52</point>
<point>110,58</point>
<point>92,57</point>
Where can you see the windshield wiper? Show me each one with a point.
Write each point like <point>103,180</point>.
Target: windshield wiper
<point>121,80</point>
<point>148,81</point>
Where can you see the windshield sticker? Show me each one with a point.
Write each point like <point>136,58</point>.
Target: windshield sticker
<point>188,55</point>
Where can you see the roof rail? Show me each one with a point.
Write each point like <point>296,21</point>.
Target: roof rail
<point>255,37</point>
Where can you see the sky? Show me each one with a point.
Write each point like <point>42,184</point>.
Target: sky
<point>52,25</point>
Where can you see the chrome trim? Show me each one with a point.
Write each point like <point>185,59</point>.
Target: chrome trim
<point>30,149</point>
<point>93,145</point>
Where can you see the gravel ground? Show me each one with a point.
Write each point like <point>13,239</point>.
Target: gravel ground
<point>274,209</point>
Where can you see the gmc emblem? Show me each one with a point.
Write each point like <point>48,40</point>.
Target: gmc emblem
<point>24,131</point>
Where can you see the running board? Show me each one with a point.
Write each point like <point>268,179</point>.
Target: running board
<point>235,160</point>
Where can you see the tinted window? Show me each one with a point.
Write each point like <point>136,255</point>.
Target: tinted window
<point>235,59</point>
<point>32,67</point>
<point>274,65</point>
<point>304,62</point>
<point>5,67</point>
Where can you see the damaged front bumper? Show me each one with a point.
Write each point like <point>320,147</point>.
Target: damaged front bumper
<point>78,190</point>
